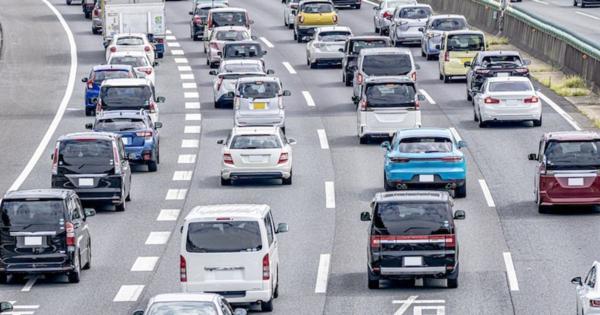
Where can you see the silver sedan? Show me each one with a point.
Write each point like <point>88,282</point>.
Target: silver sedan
<point>213,47</point>
<point>327,46</point>
<point>587,292</point>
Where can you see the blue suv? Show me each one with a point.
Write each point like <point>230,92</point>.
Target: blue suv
<point>94,80</point>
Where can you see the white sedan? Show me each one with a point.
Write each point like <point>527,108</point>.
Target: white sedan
<point>138,60</point>
<point>189,303</point>
<point>130,42</point>
<point>588,291</point>
<point>256,153</point>
<point>327,46</point>
<point>507,99</point>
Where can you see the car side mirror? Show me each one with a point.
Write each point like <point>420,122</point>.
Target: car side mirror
<point>421,97</point>
<point>459,215</point>
<point>89,212</point>
<point>577,281</point>
<point>131,156</point>
<point>5,307</point>
<point>241,311</point>
<point>438,47</point>
<point>421,29</point>
<point>282,228</point>
<point>89,126</point>
<point>221,141</point>
<point>286,93</point>
<point>461,144</point>
<point>84,80</point>
<point>467,64</point>
<point>190,13</point>
<point>386,145</point>
<point>230,94</point>
<point>139,312</point>
<point>526,62</point>
<point>341,49</point>
<point>155,64</point>
<point>270,71</point>
<point>291,141</point>
<point>220,54</point>
<point>532,157</point>
<point>212,72</point>
<point>365,216</point>
<point>158,125</point>
<point>161,99</point>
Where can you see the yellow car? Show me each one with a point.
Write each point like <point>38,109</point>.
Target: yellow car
<point>313,14</point>
<point>458,47</point>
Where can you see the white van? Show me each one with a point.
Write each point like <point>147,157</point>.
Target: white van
<point>231,250</point>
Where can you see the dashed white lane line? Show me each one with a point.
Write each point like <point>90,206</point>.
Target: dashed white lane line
<point>191,95</point>
<point>427,97</point>
<point>187,76</point>
<point>329,195</point>
<point>182,175</point>
<point>455,133</point>
<point>289,67</point>
<point>184,68</point>
<point>128,293</point>
<point>192,129</point>
<point>192,105</point>
<point>267,42</point>
<point>144,263</point>
<point>173,44</point>
<point>189,143</point>
<point>29,284</point>
<point>180,60</point>
<point>189,85</point>
<point>193,117</point>
<point>587,15</point>
<point>560,111</point>
<point>323,139</point>
<point>177,52</point>
<point>513,283</point>
<point>158,238</point>
<point>170,37</point>
<point>323,273</point>
<point>308,98</point>
<point>168,215</point>
<point>186,159</point>
<point>486,193</point>
<point>176,194</point>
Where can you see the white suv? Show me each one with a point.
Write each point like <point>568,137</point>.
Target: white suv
<point>232,250</point>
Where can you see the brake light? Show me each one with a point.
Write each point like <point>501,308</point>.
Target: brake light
<point>283,158</point>
<point>417,103</point>
<point>197,20</point>
<point>491,100</point>
<point>387,15</point>
<point>522,70</point>
<point>147,48</point>
<point>219,82</point>
<point>146,134</point>
<point>152,107</point>
<point>182,269</point>
<point>55,159</point>
<point>117,160</point>
<point>227,159</point>
<point>301,18</point>
<point>363,105</point>
<point>146,70</point>
<point>359,78</point>
<point>70,229</point>
<point>113,49</point>
<point>452,159</point>
<point>446,56</point>
<point>335,18</point>
<point>266,268</point>
<point>90,84</point>
<point>413,76</point>
<point>450,241</point>
<point>532,99</point>
<point>399,160</point>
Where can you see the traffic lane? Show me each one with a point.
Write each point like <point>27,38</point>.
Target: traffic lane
<point>34,68</point>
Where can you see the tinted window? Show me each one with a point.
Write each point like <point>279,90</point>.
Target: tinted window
<point>317,8</point>
<point>389,95</point>
<point>510,86</point>
<point>258,89</point>
<point>130,41</point>
<point>223,237</point>
<point>357,45</point>
<point>229,18</point>
<point>448,24</point>
<point>183,308</point>
<point>242,51</point>
<point>411,218</point>
<point>129,60</point>
<point>465,42</point>
<point>232,35</point>
<point>120,124</point>
<point>572,155</point>
<point>102,75</point>
<point>387,65</point>
<point>235,76</point>
<point>333,36</point>
<point>425,145</point>
<point>255,142</point>
<point>414,13</point>
<point>243,68</point>
<point>514,61</point>
<point>41,212</point>
<point>86,155</point>
<point>125,96</point>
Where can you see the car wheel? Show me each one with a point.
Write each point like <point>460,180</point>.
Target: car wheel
<point>423,54</point>
<point>386,184</point>
<point>3,278</point>
<point>290,26</point>
<point>373,280</point>
<point>295,36</point>
<point>482,124</point>
<point>285,22</point>
<point>447,78</point>
<point>441,76</point>
<point>475,118</point>
<point>574,3</point>
<point>357,6</point>
<point>469,97</point>
<point>267,306</point>
<point>160,55</point>
<point>69,2</point>
<point>583,5</point>
<point>348,81</point>
<point>363,139</point>
<point>452,279</point>
<point>312,65</point>
<point>225,182</point>
<point>287,181</point>
<point>537,123</point>
<point>75,275</point>
<point>128,198</point>
<point>88,263</point>
<point>152,166</point>
<point>120,207</point>
<point>94,31</point>
<point>88,15</point>
<point>89,112</point>
<point>276,291</point>
<point>461,190</point>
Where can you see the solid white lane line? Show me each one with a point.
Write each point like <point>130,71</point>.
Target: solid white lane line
<point>513,283</point>
<point>170,37</point>
<point>329,195</point>
<point>144,263</point>
<point>193,117</point>
<point>192,105</point>
<point>128,293</point>
<point>189,85</point>
<point>184,68</point>
<point>187,76</point>
<point>191,95</point>
<point>267,42</point>
<point>587,15</point>
<point>560,111</point>
<point>176,194</point>
<point>486,193</point>
<point>182,175</point>
<point>168,215</point>
<point>158,238</point>
<point>455,133</point>
<point>323,273</point>
<point>61,108</point>
<point>308,98</point>
<point>289,67</point>
<point>29,284</point>
<point>177,52</point>
<point>189,143</point>
<point>323,139</point>
<point>186,159</point>
<point>427,96</point>
<point>173,44</point>
<point>180,60</point>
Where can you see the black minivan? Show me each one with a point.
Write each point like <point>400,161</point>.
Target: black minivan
<point>93,164</point>
<point>412,235</point>
<point>44,231</point>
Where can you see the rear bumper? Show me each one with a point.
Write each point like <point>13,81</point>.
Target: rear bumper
<point>372,131</point>
<point>407,37</point>
<point>111,195</point>
<point>254,173</point>
<point>549,200</point>
<point>412,272</point>
<point>305,31</point>
<point>139,153</point>
<point>454,68</point>
<point>244,122</point>
<point>455,175</point>
<point>224,100</point>
<point>49,263</point>
<point>235,297</point>
<point>511,114</point>
<point>328,57</point>
<point>198,31</point>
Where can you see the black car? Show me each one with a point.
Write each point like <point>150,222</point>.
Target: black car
<point>93,164</point>
<point>44,231</point>
<point>351,49</point>
<point>487,64</point>
<point>412,235</point>
<point>199,19</point>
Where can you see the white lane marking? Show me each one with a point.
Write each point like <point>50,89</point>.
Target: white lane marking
<point>186,159</point>
<point>513,283</point>
<point>182,175</point>
<point>177,52</point>
<point>189,143</point>
<point>19,312</point>
<point>23,307</point>
<point>176,194</point>
<point>289,67</point>
<point>587,15</point>
<point>158,238</point>
<point>72,109</point>
<point>187,76</point>
<point>308,98</point>
<point>170,37</point>
<point>180,60</point>
<point>560,111</point>
<point>189,85</point>
<point>169,32</point>
<point>486,193</point>
<point>184,68</point>
<point>29,284</point>
<point>193,117</point>
<point>61,108</point>
<point>541,2</point>
<point>427,96</point>
<point>455,133</point>
<point>192,105</point>
<point>323,139</point>
<point>173,44</point>
<point>191,95</point>
<point>323,273</point>
<point>144,263</point>
<point>192,129</point>
<point>168,215</point>
<point>415,301</point>
<point>405,303</point>
<point>329,195</point>
<point>128,293</point>
<point>267,42</point>
<point>371,3</point>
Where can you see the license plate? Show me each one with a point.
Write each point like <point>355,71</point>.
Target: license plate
<point>126,141</point>
<point>513,102</point>
<point>426,178</point>
<point>575,182</point>
<point>259,105</point>
<point>502,74</point>
<point>413,261</point>
<point>32,241</point>
<point>86,182</point>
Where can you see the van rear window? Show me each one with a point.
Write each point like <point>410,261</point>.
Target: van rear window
<point>387,64</point>
<point>572,155</point>
<point>466,42</point>
<point>82,156</point>
<point>391,95</point>
<point>41,212</point>
<point>229,19</point>
<point>223,237</point>
<point>411,218</point>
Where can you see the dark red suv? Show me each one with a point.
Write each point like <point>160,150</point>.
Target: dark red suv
<point>568,169</point>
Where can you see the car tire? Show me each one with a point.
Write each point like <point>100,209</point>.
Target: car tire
<point>482,124</point>
<point>152,166</point>
<point>312,65</point>
<point>88,15</point>
<point>357,7</point>
<point>95,31</point>
<point>583,5</point>
<point>88,263</point>
<point>69,2</point>
<point>452,279</point>
<point>363,139</point>
<point>120,207</point>
<point>348,81</point>
<point>3,278</point>
<point>290,26</point>
<point>423,54</point>
<point>543,209</point>
<point>285,23</point>
<point>461,190</point>
<point>75,275</point>
<point>447,78</point>
<point>386,184</point>
<point>160,55</point>
<point>575,3</point>
<point>225,182</point>
<point>128,198</point>
<point>372,280</point>
<point>469,97</point>
<point>89,112</point>
<point>475,118</point>
<point>537,123</point>
<point>441,77</point>
<point>287,181</point>
<point>267,306</point>
<point>295,36</point>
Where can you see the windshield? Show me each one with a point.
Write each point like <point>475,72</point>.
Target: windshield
<point>258,89</point>
<point>130,41</point>
<point>390,95</point>
<point>223,237</point>
<point>229,19</point>
<point>242,51</point>
<point>29,212</point>
<point>232,35</point>
<point>119,124</point>
<point>411,218</point>
<point>102,75</point>
<point>182,308</point>
<point>125,96</point>
<point>86,155</point>
<point>255,142</point>
<point>357,45</point>
<point>317,8</point>
<point>514,86</point>
<point>414,13</point>
<point>387,65</point>
<point>333,36</point>
<point>242,68</point>
<point>465,42</point>
<point>134,61</point>
<point>569,155</point>
<point>448,24</point>
<point>425,145</point>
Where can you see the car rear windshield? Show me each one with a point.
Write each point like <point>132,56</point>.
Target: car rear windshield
<point>130,41</point>
<point>102,75</point>
<point>572,155</point>
<point>86,155</point>
<point>183,308</point>
<point>223,237</point>
<point>411,218</point>
<point>242,51</point>
<point>425,145</point>
<point>243,68</point>
<point>229,19</point>
<point>255,142</point>
<point>134,61</point>
<point>235,76</point>
<point>504,60</point>
<point>125,96</point>
<point>391,95</point>
<point>357,45</point>
<point>514,86</point>
<point>337,36</point>
<point>119,124</point>
<point>317,8</point>
<point>29,212</point>
<point>387,64</point>
<point>232,35</point>
<point>414,13</point>
<point>465,42</point>
<point>448,24</point>
<point>258,89</point>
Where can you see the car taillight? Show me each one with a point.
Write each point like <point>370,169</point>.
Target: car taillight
<point>214,45</point>
<point>117,160</point>
<point>266,268</point>
<point>335,18</point>
<point>491,100</point>
<point>90,84</point>
<point>227,159</point>
<point>96,12</point>
<point>146,70</point>
<point>147,48</point>
<point>446,56</point>
<point>417,103</point>
<point>522,70</point>
<point>413,76</point>
<point>146,134</point>
<point>301,18</point>
<point>182,269</point>
<point>113,49</point>
<point>452,159</point>
<point>70,229</point>
<point>482,71</point>
<point>532,99</point>
<point>359,78</point>
<point>55,159</point>
<point>283,158</point>
<point>450,240</point>
<point>399,160</point>
<point>387,15</point>
<point>219,83</point>
<point>363,105</point>
<point>152,107</point>
<point>197,20</point>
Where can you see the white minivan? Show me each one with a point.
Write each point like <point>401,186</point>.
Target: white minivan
<point>231,250</point>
